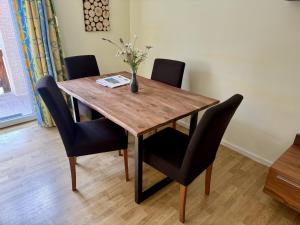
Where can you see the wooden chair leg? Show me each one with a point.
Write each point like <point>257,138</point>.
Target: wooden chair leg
<point>127,133</point>
<point>125,153</point>
<point>174,125</point>
<point>208,179</point>
<point>182,201</point>
<point>72,161</point>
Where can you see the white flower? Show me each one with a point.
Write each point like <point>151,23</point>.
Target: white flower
<point>131,55</point>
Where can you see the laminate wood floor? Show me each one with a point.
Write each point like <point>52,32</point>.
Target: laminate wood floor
<point>35,188</point>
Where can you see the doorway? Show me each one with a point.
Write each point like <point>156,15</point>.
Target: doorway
<point>15,96</point>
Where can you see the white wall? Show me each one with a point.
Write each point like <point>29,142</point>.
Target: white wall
<point>78,42</point>
<point>233,46</point>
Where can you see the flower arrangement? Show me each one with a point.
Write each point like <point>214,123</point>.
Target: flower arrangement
<point>132,56</point>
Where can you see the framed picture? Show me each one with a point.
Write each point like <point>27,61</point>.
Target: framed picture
<point>96,15</point>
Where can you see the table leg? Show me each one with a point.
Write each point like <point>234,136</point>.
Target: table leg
<point>141,195</point>
<point>193,124</point>
<point>76,109</point>
<point>138,169</point>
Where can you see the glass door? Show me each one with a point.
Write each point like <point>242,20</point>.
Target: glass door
<point>15,97</point>
<point>4,82</point>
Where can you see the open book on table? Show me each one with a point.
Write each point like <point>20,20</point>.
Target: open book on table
<point>113,81</point>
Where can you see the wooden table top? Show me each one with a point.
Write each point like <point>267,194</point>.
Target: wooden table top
<point>156,104</point>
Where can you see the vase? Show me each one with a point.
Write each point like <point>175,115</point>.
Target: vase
<point>134,87</point>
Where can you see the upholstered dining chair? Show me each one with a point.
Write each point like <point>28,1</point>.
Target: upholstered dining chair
<point>169,72</point>
<point>79,67</point>
<point>172,153</point>
<point>82,138</point>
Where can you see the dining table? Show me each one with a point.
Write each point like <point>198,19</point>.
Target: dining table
<point>154,105</point>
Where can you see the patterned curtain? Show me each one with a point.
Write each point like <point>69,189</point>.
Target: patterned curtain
<point>41,45</point>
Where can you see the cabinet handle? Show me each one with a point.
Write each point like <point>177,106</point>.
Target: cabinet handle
<point>288,181</point>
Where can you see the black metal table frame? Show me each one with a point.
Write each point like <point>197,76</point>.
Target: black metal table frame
<point>141,195</point>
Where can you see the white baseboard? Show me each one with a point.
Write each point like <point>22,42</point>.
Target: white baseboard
<point>238,149</point>
<point>246,153</point>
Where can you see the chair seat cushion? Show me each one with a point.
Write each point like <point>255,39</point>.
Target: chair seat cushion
<point>165,151</point>
<point>97,136</point>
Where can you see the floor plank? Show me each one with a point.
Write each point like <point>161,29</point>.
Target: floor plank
<point>35,188</point>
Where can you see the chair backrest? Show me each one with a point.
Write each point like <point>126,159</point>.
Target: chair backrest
<point>204,143</point>
<point>81,66</point>
<point>168,71</point>
<point>58,108</point>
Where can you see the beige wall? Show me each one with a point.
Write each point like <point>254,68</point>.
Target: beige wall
<point>77,42</point>
<point>233,46</point>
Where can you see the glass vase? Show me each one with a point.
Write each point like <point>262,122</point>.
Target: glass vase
<point>134,86</point>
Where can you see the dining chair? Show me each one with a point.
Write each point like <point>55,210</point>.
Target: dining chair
<point>82,138</point>
<point>182,158</point>
<point>169,72</point>
<point>79,67</point>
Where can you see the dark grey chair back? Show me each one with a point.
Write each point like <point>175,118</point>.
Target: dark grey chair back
<point>81,66</point>
<point>168,71</point>
<point>58,108</point>
<point>204,144</point>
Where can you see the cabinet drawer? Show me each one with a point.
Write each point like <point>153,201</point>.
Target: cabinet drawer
<point>284,189</point>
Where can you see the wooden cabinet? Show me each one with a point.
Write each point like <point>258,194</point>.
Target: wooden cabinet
<point>283,181</point>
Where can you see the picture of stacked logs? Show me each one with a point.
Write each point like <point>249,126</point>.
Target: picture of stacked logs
<point>96,15</point>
